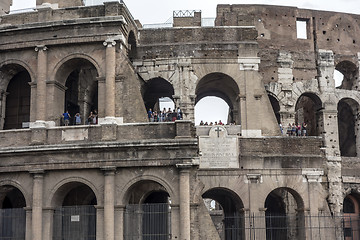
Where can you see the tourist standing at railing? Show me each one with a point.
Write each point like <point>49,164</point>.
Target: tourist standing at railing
<point>304,129</point>
<point>66,117</point>
<point>77,119</point>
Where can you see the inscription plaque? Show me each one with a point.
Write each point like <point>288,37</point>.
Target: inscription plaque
<point>218,150</point>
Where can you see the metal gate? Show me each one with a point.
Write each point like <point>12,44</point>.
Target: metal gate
<point>75,223</point>
<point>12,224</point>
<point>147,222</point>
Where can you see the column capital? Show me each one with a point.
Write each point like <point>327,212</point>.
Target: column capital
<point>40,48</point>
<point>108,170</point>
<point>109,43</point>
<point>184,166</point>
<point>37,173</point>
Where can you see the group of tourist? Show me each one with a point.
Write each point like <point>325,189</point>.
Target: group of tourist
<point>211,123</point>
<point>165,115</point>
<point>296,129</point>
<point>92,119</point>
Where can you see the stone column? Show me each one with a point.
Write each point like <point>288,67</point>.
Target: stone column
<point>37,204</point>
<point>109,202</point>
<point>184,201</point>
<point>41,84</point>
<point>110,79</point>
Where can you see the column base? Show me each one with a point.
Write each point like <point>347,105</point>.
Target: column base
<point>255,133</point>
<point>111,120</point>
<point>42,124</point>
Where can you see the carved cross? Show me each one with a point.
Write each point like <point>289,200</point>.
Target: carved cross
<point>218,130</point>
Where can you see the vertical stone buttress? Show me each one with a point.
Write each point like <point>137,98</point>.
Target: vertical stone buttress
<point>41,83</point>
<point>184,196</point>
<point>109,202</point>
<point>37,204</point>
<point>110,62</point>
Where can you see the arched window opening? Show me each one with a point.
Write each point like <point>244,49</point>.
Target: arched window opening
<point>338,77</point>
<point>132,49</point>
<point>75,218</point>
<point>148,214</point>
<point>276,107</point>
<point>283,220</point>
<point>211,110</point>
<point>158,94</point>
<point>350,74</point>
<point>221,86</point>
<point>347,112</point>
<point>307,111</point>
<point>225,210</point>
<point>81,94</point>
<point>12,213</point>
<point>351,217</point>
<point>17,113</point>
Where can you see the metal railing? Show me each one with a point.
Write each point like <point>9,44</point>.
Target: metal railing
<point>147,222</point>
<point>75,223</point>
<point>12,224</point>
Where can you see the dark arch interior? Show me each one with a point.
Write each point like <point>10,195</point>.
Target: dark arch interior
<point>346,126</point>
<point>307,110</point>
<point>81,95</point>
<point>350,72</point>
<point>283,218</point>
<point>154,89</point>
<point>11,197</point>
<point>276,107</point>
<point>348,205</point>
<point>80,195</point>
<point>222,86</point>
<point>233,217</point>
<point>12,213</point>
<point>132,46</point>
<point>18,101</point>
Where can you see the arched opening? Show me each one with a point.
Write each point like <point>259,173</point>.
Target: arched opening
<point>282,215</point>
<point>210,110</point>
<point>347,117</point>
<point>226,211</point>
<point>222,86</point>
<point>15,96</point>
<point>132,51</point>
<point>351,217</point>
<point>75,213</point>
<point>275,106</point>
<point>308,110</point>
<point>154,91</point>
<point>148,212</point>
<point>12,213</point>
<point>81,88</point>
<point>338,77</point>
<point>350,75</point>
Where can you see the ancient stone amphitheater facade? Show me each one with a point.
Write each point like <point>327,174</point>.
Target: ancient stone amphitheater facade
<point>126,178</point>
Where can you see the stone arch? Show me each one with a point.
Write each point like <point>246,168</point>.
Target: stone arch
<point>53,200</point>
<point>15,94</point>
<point>275,103</point>
<point>308,109</point>
<point>351,211</point>
<point>126,190</point>
<point>12,212</point>
<point>348,111</point>
<point>132,46</point>
<point>78,75</point>
<point>57,69</point>
<point>287,207</point>
<point>229,205</point>
<point>154,89</point>
<point>15,62</point>
<point>220,85</point>
<point>17,185</point>
<point>350,74</point>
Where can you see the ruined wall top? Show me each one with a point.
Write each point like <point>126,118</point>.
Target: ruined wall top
<point>5,6</point>
<point>62,3</point>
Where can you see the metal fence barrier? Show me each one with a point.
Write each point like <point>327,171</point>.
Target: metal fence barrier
<point>75,223</point>
<point>147,222</point>
<point>12,224</point>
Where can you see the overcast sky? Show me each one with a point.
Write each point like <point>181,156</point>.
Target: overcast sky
<point>159,11</point>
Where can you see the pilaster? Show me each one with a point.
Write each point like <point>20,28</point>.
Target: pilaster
<point>109,202</point>
<point>37,208</point>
